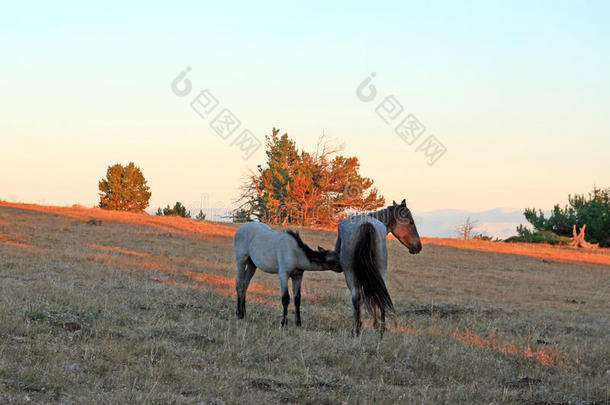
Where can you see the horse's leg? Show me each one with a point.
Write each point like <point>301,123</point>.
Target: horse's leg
<point>240,285</point>
<point>285,293</point>
<point>357,319</point>
<point>383,266</point>
<point>375,318</point>
<point>250,270</point>
<point>338,244</point>
<point>350,279</point>
<point>296,291</point>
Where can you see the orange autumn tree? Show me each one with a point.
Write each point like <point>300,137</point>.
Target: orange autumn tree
<point>306,189</point>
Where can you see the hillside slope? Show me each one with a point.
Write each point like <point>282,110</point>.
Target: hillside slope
<point>141,308</point>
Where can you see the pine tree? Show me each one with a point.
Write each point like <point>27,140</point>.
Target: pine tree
<point>124,189</point>
<point>304,188</point>
<point>240,216</point>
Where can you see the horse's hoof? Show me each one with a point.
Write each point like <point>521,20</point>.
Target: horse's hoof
<point>298,323</point>
<point>240,315</point>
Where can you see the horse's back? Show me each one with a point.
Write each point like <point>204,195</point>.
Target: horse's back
<point>349,228</point>
<point>250,230</point>
<point>261,243</point>
<point>349,234</point>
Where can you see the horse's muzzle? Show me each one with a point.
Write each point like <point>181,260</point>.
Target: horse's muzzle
<point>415,249</point>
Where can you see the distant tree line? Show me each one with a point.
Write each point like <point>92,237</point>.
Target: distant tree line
<point>125,189</point>
<point>179,210</point>
<point>293,187</point>
<point>321,188</point>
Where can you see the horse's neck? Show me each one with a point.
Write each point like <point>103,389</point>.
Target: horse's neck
<point>383,216</point>
<point>312,266</point>
<point>305,264</point>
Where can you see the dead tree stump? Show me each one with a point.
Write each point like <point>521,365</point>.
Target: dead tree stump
<point>578,239</point>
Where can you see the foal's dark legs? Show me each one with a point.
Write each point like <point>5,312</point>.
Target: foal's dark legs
<point>285,294</point>
<point>296,291</point>
<point>240,279</point>
<point>285,302</point>
<point>245,271</point>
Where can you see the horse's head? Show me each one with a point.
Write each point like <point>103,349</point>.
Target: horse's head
<point>331,259</point>
<point>403,226</point>
<point>322,259</point>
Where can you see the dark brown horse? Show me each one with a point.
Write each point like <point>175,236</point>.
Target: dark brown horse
<point>363,255</point>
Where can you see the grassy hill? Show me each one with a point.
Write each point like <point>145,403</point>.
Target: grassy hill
<point>137,308</point>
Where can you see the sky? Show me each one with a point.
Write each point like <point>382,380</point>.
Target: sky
<point>517,94</point>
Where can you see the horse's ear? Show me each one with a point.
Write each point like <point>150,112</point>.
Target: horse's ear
<point>394,202</point>
<point>403,203</point>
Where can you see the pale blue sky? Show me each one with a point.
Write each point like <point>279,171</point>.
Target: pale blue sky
<point>518,92</point>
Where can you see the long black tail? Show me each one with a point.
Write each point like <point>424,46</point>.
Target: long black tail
<point>372,288</point>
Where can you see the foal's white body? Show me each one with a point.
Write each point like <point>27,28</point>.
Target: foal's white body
<point>271,251</point>
<point>259,246</point>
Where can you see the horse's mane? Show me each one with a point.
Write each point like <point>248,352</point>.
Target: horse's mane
<point>312,255</point>
<point>385,215</point>
<point>390,214</point>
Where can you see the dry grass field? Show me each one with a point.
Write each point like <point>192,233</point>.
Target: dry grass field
<point>138,308</point>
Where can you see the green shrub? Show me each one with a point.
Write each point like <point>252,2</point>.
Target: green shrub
<point>178,210</point>
<point>525,235</point>
<point>240,215</point>
<point>486,238</point>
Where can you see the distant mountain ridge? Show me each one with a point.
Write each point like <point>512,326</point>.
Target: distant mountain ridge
<point>498,222</point>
